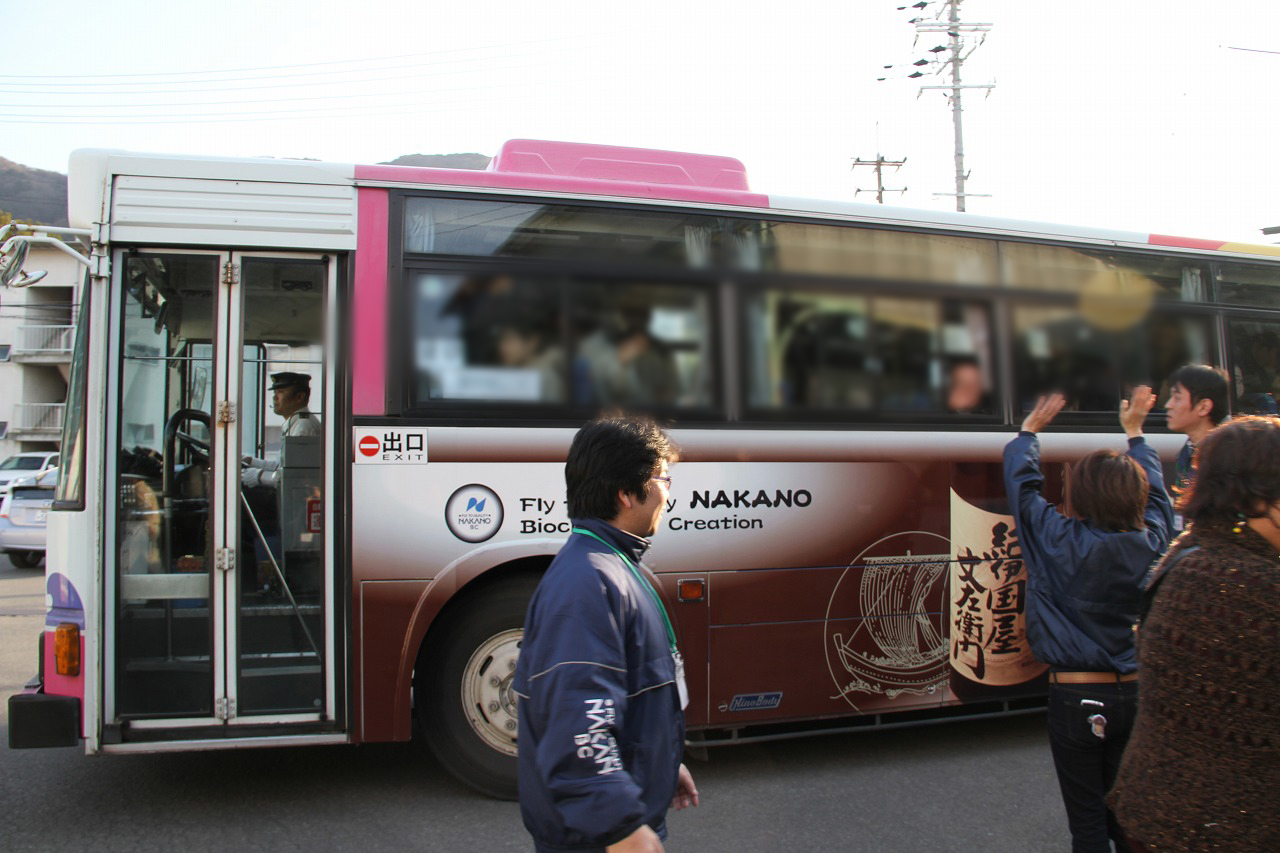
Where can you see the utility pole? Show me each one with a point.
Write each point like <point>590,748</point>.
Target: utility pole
<point>957,114</point>
<point>955,29</point>
<point>878,164</point>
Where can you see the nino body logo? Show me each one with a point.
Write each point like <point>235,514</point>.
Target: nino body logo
<point>473,513</point>
<point>755,701</point>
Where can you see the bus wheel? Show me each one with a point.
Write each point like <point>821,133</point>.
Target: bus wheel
<point>464,700</point>
<point>25,559</point>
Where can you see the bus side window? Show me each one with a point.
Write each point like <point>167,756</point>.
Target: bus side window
<point>837,351</point>
<point>1253,347</point>
<point>1165,343</point>
<point>491,337</point>
<point>1255,366</point>
<point>1058,349</point>
<point>640,345</point>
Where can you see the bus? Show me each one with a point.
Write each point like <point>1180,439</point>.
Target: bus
<point>836,553</point>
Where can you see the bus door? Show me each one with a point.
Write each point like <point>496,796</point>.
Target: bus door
<point>223,592</point>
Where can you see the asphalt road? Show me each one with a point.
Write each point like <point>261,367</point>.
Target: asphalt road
<point>973,786</point>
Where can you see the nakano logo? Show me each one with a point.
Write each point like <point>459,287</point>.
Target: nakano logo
<point>473,513</point>
<point>743,499</point>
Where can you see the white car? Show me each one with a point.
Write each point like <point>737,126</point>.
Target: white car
<point>26,465</point>
<point>24,518</point>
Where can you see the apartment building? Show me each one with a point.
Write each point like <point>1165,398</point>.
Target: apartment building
<point>36,332</point>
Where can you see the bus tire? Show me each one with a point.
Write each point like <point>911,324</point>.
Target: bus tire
<point>463,697</point>
<point>25,559</point>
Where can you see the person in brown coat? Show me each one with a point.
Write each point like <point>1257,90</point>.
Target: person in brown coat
<point>1202,769</point>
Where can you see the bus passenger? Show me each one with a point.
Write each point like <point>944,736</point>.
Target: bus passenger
<point>600,681</point>
<point>290,394</point>
<point>523,344</point>
<point>1255,374</point>
<point>1084,581</point>
<point>1260,364</point>
<point>1202,771</point>
<point>966,389</point>
<point>622,363</point>
<point>1197,403</point>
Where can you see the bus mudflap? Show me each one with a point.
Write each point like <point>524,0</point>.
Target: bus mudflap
<point>38,720</point>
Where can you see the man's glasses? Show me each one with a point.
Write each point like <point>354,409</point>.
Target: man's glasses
<point>666,481</point>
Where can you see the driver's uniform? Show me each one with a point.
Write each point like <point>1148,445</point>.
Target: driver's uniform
<point>266,472</point>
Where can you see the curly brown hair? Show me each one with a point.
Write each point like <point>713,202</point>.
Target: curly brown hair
<point>1237,469</point>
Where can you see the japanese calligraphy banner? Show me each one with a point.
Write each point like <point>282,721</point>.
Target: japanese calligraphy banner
<point>988,598</point>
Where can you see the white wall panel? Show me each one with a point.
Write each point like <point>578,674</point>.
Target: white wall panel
<point>248,214</point>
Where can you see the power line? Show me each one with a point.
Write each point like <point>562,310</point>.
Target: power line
<point>265,67</point>
<point>272,115</point>
<point>250,88</point>
<point>260,101</point>
<point>8,198</point>
<point>218,88</point>
<point>1253,50</point>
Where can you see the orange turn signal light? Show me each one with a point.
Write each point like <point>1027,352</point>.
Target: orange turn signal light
<point>691,589</point>
<point>66,648</point>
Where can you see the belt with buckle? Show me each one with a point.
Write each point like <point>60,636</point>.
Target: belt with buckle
<point>1091,677</point>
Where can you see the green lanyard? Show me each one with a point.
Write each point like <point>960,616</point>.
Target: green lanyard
<point>648,587</point>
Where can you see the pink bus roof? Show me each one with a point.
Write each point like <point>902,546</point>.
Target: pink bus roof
<point>579,168</point>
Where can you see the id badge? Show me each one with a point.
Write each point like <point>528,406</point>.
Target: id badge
<point>681,687</point>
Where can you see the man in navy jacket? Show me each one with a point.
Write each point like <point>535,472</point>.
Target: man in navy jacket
<point>600,681</point>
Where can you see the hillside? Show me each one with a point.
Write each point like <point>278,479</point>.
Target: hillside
<point>442,161</point>
<point>33,194</point>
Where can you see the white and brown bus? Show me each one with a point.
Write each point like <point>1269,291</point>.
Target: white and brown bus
<point>841,378</point>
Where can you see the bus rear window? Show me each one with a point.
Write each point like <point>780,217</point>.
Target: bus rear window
<point>544,341</point>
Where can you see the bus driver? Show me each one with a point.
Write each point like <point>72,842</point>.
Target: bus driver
<point>290,393</point>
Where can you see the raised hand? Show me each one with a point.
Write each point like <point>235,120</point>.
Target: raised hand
<point>1134,411</point>
<point>1046,410</point>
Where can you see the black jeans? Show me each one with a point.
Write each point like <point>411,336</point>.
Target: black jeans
<point>1086,763</point>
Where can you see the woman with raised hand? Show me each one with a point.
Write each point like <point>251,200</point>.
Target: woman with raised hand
<point>1085,573</point>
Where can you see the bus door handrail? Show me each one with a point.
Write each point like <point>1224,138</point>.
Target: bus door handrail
<point>284,584</point>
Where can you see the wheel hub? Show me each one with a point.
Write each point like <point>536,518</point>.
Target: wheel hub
<point>487,698</point>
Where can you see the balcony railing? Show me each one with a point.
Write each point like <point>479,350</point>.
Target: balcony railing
<point>37,419</point>
<point>49,344</point>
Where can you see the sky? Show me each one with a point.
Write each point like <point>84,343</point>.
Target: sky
<point>1147,116</point>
